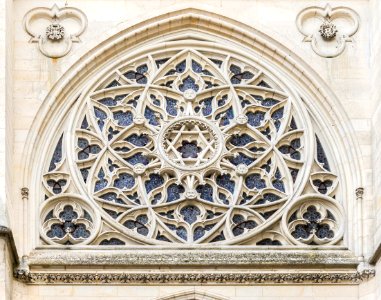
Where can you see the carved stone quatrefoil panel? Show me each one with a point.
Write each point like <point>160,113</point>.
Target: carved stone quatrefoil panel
<point>55,29</point>
<point>328,29</point>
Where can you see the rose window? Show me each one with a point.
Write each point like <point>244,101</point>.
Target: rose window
<point>190,147</point>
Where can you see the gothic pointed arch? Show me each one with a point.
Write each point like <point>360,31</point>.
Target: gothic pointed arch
<point>179,131</point>
<point>192,295</point>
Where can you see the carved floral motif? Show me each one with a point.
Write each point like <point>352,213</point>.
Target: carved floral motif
<point>328,30</point>
<point>194,278</point>
<point>55,31</point>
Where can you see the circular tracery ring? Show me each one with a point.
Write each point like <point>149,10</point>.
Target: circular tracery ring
<point>190,143</point>
<point>197,146</point>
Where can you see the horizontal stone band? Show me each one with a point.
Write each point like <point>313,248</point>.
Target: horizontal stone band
<point>194,278</point>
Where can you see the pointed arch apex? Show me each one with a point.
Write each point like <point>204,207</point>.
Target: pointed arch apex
<point>193,295</point>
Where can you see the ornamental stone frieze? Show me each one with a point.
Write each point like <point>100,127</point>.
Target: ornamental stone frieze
<point>328,29</point>
<point>176,278</point>
<point>55,29</point>
<point>265,262</point>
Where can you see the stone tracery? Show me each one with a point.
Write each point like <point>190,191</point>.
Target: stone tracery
<point>198,147</point>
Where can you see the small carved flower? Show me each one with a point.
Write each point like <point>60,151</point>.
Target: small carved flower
<point>328,30</point>
<point>55,32</point>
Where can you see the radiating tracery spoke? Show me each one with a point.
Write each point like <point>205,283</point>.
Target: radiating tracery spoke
<point>193,146</point>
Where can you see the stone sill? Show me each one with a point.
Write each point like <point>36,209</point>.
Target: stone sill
<point>236,265</point>
<point>223,257</point>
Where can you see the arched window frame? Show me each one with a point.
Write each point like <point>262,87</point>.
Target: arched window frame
<point>316,95</point>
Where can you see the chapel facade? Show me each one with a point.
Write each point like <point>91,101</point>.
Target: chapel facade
<point>224,150</point>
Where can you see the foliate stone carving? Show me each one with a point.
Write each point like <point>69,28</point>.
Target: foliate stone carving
<point>194,278</point>
<point>55,29</point>
<point>195,147</point>
<point>328,29</point>
<point>366,270</point>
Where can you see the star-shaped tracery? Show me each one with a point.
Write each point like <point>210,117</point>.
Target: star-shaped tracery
<point>190,143</point>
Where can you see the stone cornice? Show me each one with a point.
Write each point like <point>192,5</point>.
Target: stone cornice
<point>227,258</point>
<point>192,266</point>
<point>6,233</point>
<point>195,278</point>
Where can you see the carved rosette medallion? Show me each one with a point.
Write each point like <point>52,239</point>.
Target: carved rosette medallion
<point>55,31</point>
<point>192,146</point>
<point>328,30</point>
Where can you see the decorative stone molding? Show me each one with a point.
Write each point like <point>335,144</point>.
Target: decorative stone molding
<point>55,29</point>
<point>328,29</point>
<point>7,235</point>
<point>194,278</point>
<point>270,257</point>
<point>376,255</point>
<point>29,270</point>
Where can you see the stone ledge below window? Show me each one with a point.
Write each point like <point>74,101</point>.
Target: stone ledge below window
<point>230,256</point>
<point>227,265</point>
